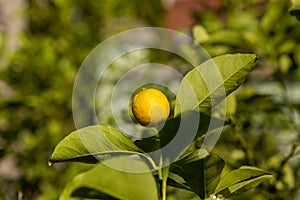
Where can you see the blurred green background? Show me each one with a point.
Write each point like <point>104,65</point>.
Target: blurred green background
<point>44,42</point>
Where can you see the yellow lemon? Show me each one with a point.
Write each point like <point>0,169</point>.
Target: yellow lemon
<point>150,106</point>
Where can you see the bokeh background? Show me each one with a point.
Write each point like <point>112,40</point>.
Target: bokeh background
<point>44,42</point>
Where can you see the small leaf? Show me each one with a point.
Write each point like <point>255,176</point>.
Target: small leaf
<point>285,63</point>
<point>174,182</point>
<point>247,185</point>
<point>200,34</point>
<point>208,84</point>
<point>228,38</point>
<point>193,156</point>
<point>108,183</point>
<point>295,8</point>
<point>85,144</point>
<point>244,177</point>
<point>272,14</point>
<point>201,175</point>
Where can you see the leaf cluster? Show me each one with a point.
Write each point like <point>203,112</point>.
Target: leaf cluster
<point>145,167</point>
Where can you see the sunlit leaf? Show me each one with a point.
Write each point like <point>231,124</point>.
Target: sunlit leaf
<point>227,37</point>
<point>295,8</point>
<point>200,34</point>
<point>249,184</point>
<point>272,14</point>
<point>245,177</point>
<point>92,143</point>
<point>208,84</point>
<point>176,181</point>
<point>107,183</point>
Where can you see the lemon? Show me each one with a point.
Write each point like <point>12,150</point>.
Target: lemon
<point>150,106</point>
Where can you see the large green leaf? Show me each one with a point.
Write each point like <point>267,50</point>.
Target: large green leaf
<point>93,143</point>
<point>243,178</point>
<point>104,182</point>
<point>209,83</point>
<point>200,172</point>
<point>295,8</point>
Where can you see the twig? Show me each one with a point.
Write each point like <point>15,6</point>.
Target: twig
<point>244,145</point>
<point>288,157</point>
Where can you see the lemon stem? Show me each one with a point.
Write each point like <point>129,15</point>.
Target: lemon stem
<point>165,174</point>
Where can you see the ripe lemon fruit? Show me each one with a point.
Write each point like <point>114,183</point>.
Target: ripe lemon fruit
<point>150,106</point>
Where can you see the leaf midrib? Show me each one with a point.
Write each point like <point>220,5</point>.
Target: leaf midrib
<point>207,96</point>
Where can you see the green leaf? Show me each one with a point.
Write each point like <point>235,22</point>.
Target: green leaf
<point>184,129</point>
<point>295,8</point>
<point>208,84</point>
<point>108,183</point>
<point>213,170</point>
<point>193,156</point>
<point>245,177</point>
<point>93,143</point>
<point>228,38</point>
<point>148,144</point>
<point>176,181</point>
<point>272,15</point>
<point>200,174</point>
<point>177,134</point>
<point>200,34</point>
<point>247,185</point>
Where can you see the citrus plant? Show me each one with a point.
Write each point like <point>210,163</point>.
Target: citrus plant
<point>126,169</point>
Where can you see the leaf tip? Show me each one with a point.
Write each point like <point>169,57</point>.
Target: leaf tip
<point>256,58</point>
<point>50,163</point>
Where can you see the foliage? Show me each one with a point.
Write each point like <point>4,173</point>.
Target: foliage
<point>295,9</point>
<point>98,182</point>
<point>199,172</point>
<point>37,83</point>
<point>227,76</point>
<point>264,124</point>
<point>264,132</point>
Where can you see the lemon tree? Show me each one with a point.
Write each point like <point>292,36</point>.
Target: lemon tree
<point>197,171</point>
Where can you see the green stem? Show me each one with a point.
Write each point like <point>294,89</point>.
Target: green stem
<point>244,145</point>
<point>164,191</point>
<point>165,174</point>
<point>203,196</point>
<point>286,159</point>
